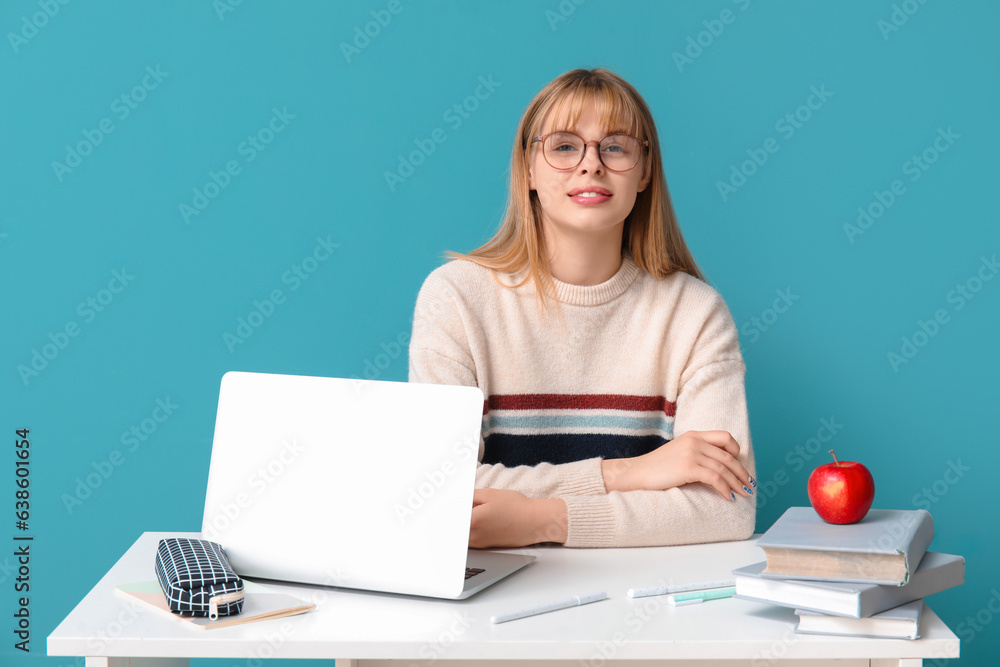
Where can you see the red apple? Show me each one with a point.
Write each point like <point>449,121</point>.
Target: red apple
<point>841,492</point>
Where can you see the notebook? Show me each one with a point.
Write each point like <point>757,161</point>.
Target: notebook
<point>363,484</point>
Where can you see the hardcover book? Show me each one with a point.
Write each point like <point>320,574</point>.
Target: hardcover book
<point>883,548</point>
<point>902,622</point>
<point>937,572</point>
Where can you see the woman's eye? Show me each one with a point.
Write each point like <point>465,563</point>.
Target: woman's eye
<point>564,148</point>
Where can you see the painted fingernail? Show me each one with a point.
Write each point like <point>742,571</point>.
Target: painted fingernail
<point>753,482</point>
<point>732,495</point>
<point>749,492</point>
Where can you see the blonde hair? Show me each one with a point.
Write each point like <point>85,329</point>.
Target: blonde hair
<point>651,234</point>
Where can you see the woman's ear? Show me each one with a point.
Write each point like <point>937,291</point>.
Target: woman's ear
<point>644,181</point>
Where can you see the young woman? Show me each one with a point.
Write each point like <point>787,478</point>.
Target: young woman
<point>615,413</point>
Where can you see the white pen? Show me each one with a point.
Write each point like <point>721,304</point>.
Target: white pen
<point>574,601</point>
<point>682,588</point>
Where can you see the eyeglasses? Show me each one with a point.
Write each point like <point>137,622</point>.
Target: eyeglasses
<point>566,150</point>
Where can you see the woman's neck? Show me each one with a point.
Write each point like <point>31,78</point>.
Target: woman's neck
<point>586,260</point>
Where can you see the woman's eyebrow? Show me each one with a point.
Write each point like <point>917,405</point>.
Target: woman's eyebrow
<point>607,133</point>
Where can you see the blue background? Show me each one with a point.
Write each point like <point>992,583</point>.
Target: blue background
<point>853,300</point>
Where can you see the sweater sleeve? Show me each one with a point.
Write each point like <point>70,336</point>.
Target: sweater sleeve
<point>440,353</point>
<point>711,396</point>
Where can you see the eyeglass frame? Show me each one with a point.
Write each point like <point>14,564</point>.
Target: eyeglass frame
<point>643,143</point>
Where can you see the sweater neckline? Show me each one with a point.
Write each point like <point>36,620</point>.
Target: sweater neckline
<point>594,295</point>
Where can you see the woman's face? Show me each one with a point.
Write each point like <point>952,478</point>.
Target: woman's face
<point>563,210</point>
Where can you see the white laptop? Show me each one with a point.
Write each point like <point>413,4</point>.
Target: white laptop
<point>361,484</point>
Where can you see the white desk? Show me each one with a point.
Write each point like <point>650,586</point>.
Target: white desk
<point>375,627</point>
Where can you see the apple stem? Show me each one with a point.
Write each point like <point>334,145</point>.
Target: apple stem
<point>835,458</point>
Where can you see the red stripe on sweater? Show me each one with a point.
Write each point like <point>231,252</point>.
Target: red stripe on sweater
<point>579,402</point>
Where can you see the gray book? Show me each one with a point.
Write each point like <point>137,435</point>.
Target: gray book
<point>883,548</point>
<point>902,622</point>
<point>937,572</point>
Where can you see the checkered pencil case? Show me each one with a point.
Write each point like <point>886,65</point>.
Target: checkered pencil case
<point>197,578</point>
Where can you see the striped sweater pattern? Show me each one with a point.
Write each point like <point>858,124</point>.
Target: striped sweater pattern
<point>528,429</point>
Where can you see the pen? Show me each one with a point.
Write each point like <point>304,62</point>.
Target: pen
<point>574,601</point>
<point>700,596</point>
<point>667,590</point>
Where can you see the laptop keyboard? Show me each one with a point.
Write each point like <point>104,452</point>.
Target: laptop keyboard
<point>472,571</point>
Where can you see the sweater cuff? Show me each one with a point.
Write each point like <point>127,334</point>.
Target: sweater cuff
<point>590,521</point>
<point>581,478</point>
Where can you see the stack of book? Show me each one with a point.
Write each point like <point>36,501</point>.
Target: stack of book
<point>864,579</point>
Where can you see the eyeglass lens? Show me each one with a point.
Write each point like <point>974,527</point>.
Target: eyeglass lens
<point>565,150</point>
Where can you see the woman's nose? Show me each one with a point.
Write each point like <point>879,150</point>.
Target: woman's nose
<point>592,158</point>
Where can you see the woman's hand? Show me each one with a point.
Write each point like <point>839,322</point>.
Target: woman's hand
<point>504,518</point>
<point>695,456</point>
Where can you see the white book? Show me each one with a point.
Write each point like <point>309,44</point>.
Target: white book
<point>902,622</point>
<point>937,572</point>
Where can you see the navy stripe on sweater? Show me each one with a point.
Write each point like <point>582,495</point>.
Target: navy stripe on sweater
<point>517,450</point>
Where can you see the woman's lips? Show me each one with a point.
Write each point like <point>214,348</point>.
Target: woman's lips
<point>590,199</point>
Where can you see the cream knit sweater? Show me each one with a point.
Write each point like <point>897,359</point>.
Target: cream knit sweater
<point>634,362</point>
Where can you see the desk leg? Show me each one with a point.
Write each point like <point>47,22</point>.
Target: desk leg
<point>886,662</point>
<point>137,662</point>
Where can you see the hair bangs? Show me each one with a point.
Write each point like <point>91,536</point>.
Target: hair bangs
<point>616,112</point>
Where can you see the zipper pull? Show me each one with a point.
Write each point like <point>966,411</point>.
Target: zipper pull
<point>225,598</point>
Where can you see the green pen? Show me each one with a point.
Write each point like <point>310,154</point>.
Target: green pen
<point>679,599</point>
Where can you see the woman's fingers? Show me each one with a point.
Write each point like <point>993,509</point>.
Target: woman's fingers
<point>721,439</point>
<point>737,476</point>
<point>719,465</point>
<point>709,457</point>
<point>726,476</point>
